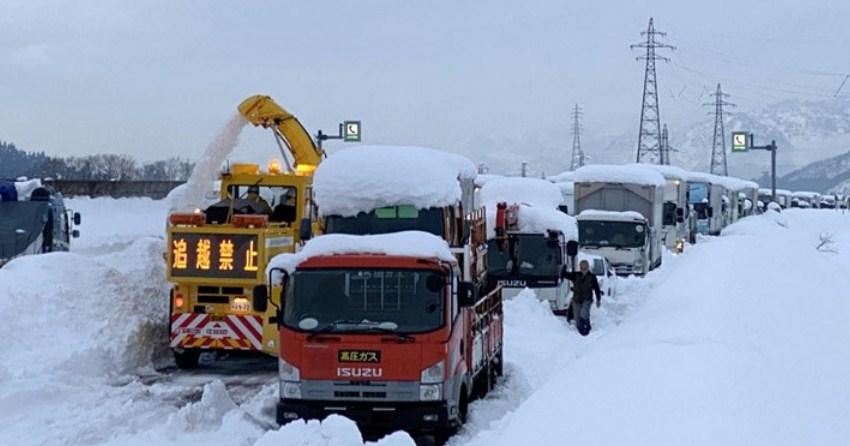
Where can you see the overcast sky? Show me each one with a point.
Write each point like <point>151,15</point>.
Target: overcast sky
<point>155,79</point>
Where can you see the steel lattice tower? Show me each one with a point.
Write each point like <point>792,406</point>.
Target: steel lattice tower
<point>649,135</point>
<point>578,154</point>
<point>665,146</point>
<point>718,143</point>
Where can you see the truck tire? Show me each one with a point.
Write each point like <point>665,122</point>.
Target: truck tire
<point>187,359</point>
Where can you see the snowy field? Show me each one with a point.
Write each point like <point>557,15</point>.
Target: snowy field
<point>743,339</point>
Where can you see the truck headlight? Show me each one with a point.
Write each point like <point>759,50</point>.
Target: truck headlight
<point>290,390</point>
<point>434,374</point>
<point>287,371</point>
<point>430,392</point>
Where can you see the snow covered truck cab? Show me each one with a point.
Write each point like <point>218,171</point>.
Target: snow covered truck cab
<point>216,255</point>
<point>620,212</point>
<point>527,247</point>
<point>383,329</point>
<point>705,196</point>
<point>621,237</point>
<point>381,189</point>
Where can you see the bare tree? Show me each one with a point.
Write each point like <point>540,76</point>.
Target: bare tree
<point>825,243</point>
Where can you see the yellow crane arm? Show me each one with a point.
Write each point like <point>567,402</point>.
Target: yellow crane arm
<point>263,111</point>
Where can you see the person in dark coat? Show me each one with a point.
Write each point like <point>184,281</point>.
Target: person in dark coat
<point>585,285</point>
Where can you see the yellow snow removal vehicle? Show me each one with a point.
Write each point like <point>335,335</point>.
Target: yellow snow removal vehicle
<point>217,255</point>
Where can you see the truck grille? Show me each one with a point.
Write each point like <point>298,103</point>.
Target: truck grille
<point>351,394</point>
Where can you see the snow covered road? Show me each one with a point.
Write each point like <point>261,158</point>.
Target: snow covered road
<point>741,340</point>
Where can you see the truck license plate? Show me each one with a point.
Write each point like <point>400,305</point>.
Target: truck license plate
<point>240,304</point>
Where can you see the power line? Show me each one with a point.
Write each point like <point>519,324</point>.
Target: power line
<point>577,159</point>
<point>649,134</point>
<point>718,143</point>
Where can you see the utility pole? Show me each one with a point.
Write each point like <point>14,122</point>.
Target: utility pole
<point>524,169</point>
<point>577,159</point>
<point>649,134</point>
<point>718,144</point>
<point>665,146</point>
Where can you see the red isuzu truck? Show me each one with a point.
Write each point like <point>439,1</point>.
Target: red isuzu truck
<point>383,329</point>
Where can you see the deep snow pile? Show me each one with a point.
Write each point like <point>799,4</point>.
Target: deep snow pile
<point>743,340</point>
<point>363,178</point>
<point>95,316</point>
<point>110,224</point>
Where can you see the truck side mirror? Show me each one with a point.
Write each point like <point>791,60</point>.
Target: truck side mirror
<point>680,213</point>
<point>467,294</point>
<point>572,248</point>
<point>305,231</point>
<point>75,233</point>
<point>77,218</point>
<point>564,208</point>
<point>261,298</point>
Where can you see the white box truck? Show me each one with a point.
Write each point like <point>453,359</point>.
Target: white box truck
<point>619,212</point>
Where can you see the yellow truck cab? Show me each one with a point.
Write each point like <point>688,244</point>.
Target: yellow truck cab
<point>217,255</point>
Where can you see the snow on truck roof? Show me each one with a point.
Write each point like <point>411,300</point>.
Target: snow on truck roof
<point>539,200</point>
<point>531,191</point>
<point>364,178</point>
<point>406,243</point>
<point>594,214</point>
<point>673,172</point>
<point>631,174</point>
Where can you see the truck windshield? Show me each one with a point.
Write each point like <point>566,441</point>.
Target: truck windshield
<point>524,255</point>
<point>618,234</point>
<point>697,193</point>
<point>365,300</point>
<point>386,220</point>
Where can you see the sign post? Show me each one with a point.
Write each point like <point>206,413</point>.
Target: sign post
<point>743,142</point>
<point>349,131</point>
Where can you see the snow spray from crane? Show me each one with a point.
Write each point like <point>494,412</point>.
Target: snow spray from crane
<point>191,195</point>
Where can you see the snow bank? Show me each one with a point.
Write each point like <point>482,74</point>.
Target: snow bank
<point>91,316</point>
<point>632,174</point>
<point>110,224</point>
<point>364,178</point>
<point>335,430</point>
<point>405,243</point>
<point>594,214</point>
<point>713,356</point>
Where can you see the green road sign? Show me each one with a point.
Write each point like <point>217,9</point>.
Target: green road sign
<point>740,141</point>
<point>351,131</point>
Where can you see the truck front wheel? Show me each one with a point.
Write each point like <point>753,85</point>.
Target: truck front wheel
<point>187,359</point>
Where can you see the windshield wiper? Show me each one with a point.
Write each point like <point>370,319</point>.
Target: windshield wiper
<point>400,336</point>
<point>361,325</point>
<point>331,327</point>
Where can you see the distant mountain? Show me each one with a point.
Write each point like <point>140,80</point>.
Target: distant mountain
<point>829,175</point>
<point>805,131</point>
